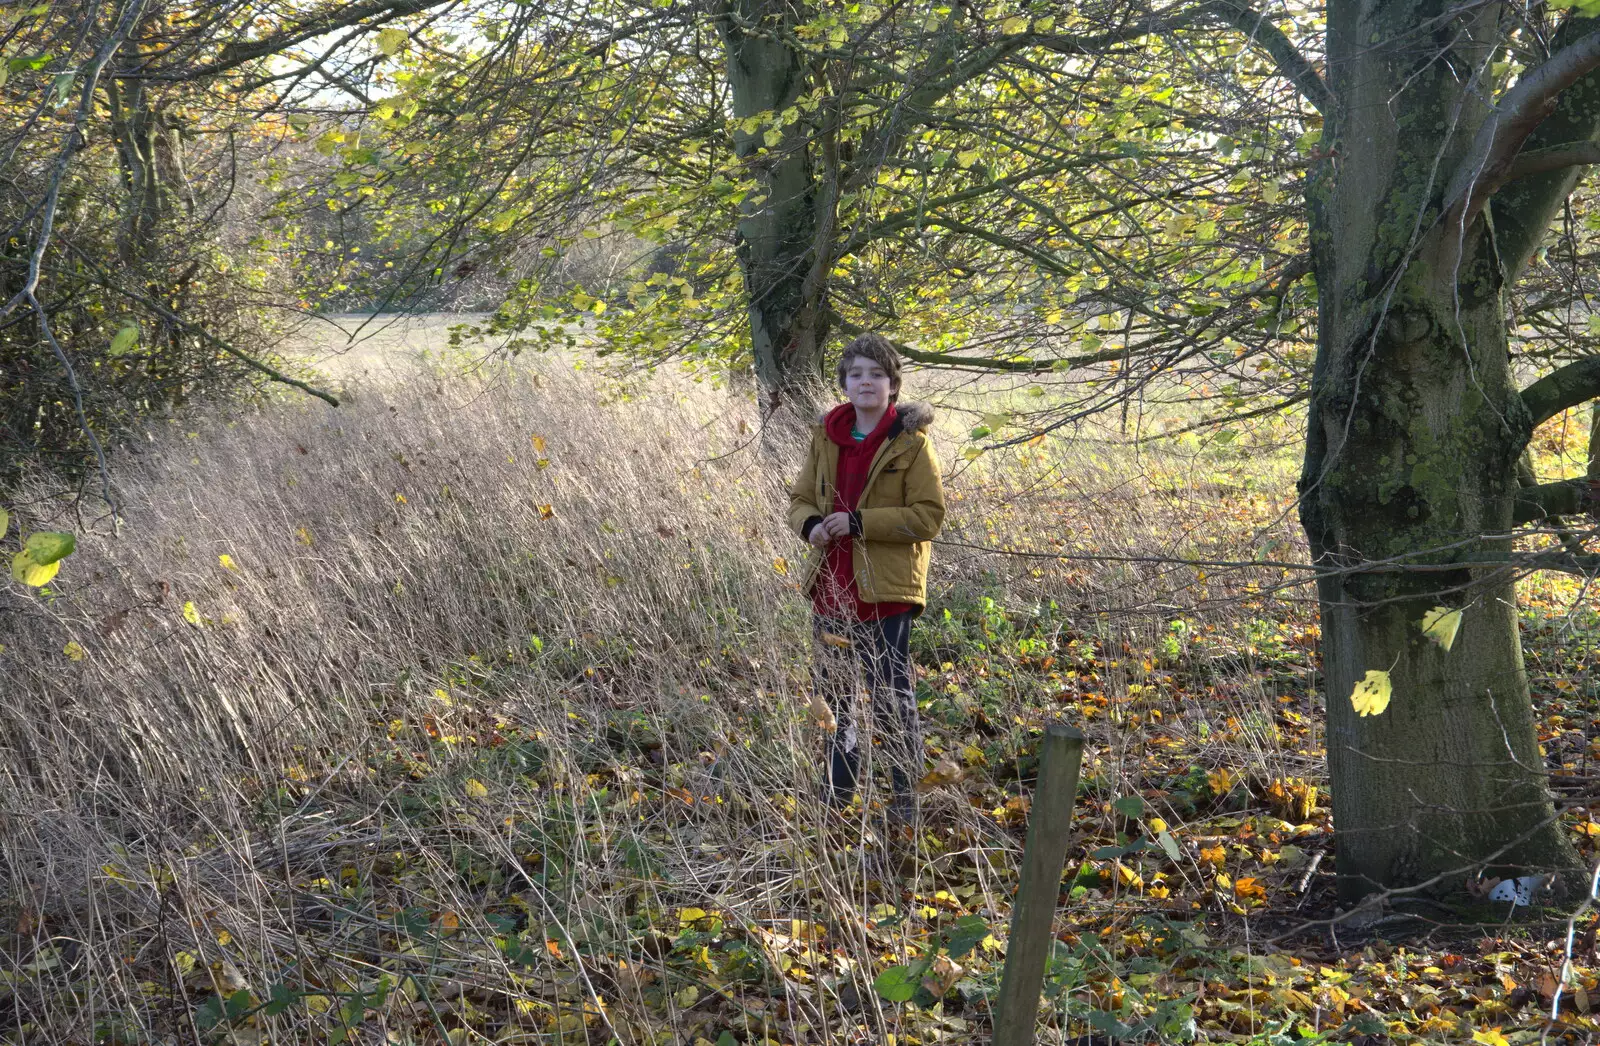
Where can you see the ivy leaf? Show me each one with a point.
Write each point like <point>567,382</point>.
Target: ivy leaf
<point>1441,625</point>
<point>1371,695</point>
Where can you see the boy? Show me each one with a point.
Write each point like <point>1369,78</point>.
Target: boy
<point>869,501</point>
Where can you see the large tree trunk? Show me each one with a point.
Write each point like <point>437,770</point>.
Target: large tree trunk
<point>1415,433</point>
<point>784,228</point>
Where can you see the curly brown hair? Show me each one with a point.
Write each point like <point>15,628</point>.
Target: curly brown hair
<point>879,350</point>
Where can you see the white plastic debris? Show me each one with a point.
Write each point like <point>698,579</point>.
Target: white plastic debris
<point>1517,891</point>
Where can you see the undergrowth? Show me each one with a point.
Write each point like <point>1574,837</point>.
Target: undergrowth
<point>476,711</point>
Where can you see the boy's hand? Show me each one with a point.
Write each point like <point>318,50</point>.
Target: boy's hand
<point>837,526</point>
<point>819,536</point>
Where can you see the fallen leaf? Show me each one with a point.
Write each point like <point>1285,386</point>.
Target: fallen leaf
<point>945,772</point>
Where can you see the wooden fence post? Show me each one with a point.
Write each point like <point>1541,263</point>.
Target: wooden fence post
<point>1016,1011</point>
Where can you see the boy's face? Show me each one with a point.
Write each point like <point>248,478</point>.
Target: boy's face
<point>867,385</point>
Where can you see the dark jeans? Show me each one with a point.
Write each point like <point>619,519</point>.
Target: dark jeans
<point>881,652</point>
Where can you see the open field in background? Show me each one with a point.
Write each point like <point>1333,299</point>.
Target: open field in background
<point>475,711</point>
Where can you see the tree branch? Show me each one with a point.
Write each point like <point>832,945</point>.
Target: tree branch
<point>984,364</point>
<point>1566,387</point>
<point>1564,497</point>
<point>338,16</point>
<point>1554,158</point>
<point>1292,65</point>
<point>1517,114</point>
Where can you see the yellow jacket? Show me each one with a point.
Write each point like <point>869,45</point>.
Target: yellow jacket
<point>900,509</point>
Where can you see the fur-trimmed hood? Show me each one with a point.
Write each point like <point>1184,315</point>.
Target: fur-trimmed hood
<point>910,416</point>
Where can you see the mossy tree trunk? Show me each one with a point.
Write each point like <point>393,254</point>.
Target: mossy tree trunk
<point>784,231</point>
<point>1416,428</point>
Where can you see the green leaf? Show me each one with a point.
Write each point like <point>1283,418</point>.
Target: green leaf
<point>1129,806</point>
<point>5,522</point>
<point>63,86</point>
<point>1441,625</point>
<point>1169,846</point>
<point>898,983</point>
<point>48,546</point>
<point>279,998</point>
<point>727,1039</point>
<point>968,932</point>
<point>209,1013</point>
<point>125,339</point>
<point>391,40</point>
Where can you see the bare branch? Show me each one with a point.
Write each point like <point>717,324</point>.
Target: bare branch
<point>1565,387</point>
<point>1292,65</point>
<point>1543,161</point>
<point>1518,112</point>
<point>1563,497</point>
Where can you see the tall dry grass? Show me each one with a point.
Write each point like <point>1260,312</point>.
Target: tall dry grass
<point>349,693</point>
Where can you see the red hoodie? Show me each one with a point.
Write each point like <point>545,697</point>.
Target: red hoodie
<point>837,595</point>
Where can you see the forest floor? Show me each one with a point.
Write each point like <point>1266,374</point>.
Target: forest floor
<point>477,711</point>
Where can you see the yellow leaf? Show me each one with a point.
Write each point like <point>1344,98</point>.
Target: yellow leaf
<point>781,565</point>
<point>1441,625</point>
<point>690,916</point>
<point>391,40</point>
<point>5,522</point>
<point>819,708</point>
<point>1215,855</point>
<point>968,157</point>
<point>303,535</point>
<point>1490,1037</point>
<point>1371,695</point>
<point>227,562</point>
<point>28,572</point>
<point>191,615</point>
<point>945,771</point>
<point>476,789</point>
<point>1014,25</point>
<point>1249,887</point>
<point>224,938</point>
<point>538,443</point>
<point>829,639</point>
<point>73,651</point>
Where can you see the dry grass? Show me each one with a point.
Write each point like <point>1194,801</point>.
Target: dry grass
<point>509,651</point>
